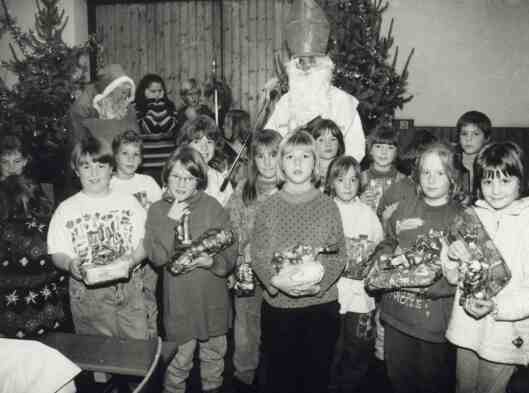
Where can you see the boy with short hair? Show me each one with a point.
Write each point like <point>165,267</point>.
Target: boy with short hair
<point>127,148</point>
<point>474,130</point>
<point>92,223</point>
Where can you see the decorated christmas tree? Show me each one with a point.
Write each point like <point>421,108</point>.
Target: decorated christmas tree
<point>36,106</point>
<point>365,67</point>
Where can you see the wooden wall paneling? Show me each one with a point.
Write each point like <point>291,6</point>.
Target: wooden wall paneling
<point>236,55</point>
<point>227,41</point>
<point>244,62</point>
<point>173,53</point>
<point>253,57</point>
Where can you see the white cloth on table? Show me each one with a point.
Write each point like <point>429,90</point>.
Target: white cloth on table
<point>32,367</point>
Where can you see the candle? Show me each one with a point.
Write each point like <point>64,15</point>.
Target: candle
<point>187,237</point>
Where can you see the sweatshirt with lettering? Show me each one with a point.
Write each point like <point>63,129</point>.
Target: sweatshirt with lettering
<point>421,315</point>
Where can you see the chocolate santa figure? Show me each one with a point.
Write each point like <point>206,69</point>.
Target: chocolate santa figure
<point>310,71</point>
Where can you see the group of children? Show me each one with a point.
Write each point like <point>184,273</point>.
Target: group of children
<point>300,189</point>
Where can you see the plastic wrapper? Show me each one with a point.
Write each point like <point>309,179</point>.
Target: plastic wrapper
<point>297,267</point>
<point>244,280</point>
<point>359,251</point>
<point>210,242</point>
<point>106,266</point>
<point>485,273</point>
<point>417,267</point>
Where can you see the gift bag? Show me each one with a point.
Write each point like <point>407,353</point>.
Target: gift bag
<point>486,273</point>
<point>210,242</point>
<point>417,267</point>
<point>359,251</point>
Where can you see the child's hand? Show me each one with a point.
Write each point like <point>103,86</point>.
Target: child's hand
<point>75,269</point>
<point>448,266</point>
<point>458,251</point>
<point>310,291</point>
<point>389,210</point>
<point>368,197</point>
<point>478,308</point>
<point>178,210</point>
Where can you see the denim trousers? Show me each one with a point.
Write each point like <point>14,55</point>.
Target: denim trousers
<point>116,310</point>
<point>477,375</point>
<point>150,279</point>
<point>247,336</point>
<point>211,354</point>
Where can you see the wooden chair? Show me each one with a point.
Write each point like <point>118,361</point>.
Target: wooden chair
<point>150,378</point>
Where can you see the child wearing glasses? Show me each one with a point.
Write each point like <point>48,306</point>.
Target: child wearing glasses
<point>197,309</point>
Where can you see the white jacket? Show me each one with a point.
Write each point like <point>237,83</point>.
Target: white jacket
<point>494,339</point>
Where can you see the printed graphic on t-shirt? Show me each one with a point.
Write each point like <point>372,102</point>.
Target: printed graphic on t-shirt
<point>101,237</point>
<point>143,199</point>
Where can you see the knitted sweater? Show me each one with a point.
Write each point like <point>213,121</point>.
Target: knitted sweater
<point>285,220</point>
<point>424,315</point>
<point>158,117</point>
<point>196,304</point>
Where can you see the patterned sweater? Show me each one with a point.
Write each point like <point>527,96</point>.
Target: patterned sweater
<point>285,220</point>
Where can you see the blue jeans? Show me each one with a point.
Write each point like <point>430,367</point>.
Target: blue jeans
<point>247,335</point>
<point>116,310</point>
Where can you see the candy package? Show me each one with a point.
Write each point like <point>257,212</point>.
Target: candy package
<point>418,266</point>
<point>486,273</point>
<point>297,267</point>
<point>210,242</point>
<point>244,280</point>
<point>107,265</point>
<point>359,251</point>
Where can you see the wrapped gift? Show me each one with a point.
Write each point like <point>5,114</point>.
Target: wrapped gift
<point>359,251</point>
<point>297,267</point>
<point>417,267</point>
<point>244,280</point>
<point>106,266</point>
<point>485,273</point>
<point>210,242</point>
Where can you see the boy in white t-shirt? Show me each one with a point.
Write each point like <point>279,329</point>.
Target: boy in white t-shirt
<point>94,223</point>
<point>127,149</point>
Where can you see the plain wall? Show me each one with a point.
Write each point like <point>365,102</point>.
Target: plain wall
<point>469,54</point>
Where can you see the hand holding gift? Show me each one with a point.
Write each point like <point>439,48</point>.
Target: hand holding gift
<point>106,266</point>
<point>201,251</point>
<point>359,251</point>
<point>482,270</point>
<point>417,267</point>
<point>298,273</point>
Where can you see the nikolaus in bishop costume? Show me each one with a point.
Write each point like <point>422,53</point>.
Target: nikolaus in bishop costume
<point>310,71</point>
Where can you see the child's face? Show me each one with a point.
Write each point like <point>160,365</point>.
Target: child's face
<point>433,179</point>
<point>471,139</point>
<point>94,176</point>
<point>12,163</point>
<point>266,162</point>
<point>128,159</point>
<point>346,185</point>
<point>205,146</point>
<point>154,91</point>
<point>327,146</point>
<point>383,154</point>
<point>298,164</point>
<point>181,183</point>
<point>500,191</point>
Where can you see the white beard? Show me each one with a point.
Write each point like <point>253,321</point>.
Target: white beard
<point>112,108</point>
<point>309,91</point>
